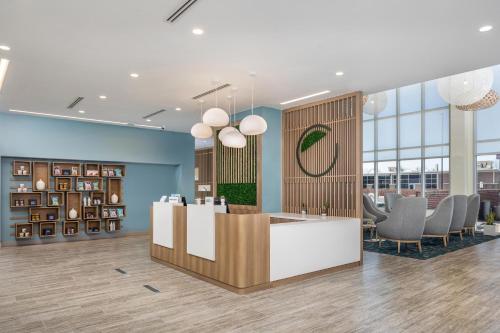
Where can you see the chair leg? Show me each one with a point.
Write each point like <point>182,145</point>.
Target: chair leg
<point>419,245</point>
<point>399,247</point>
<point>461,236</point>
<point>473,231</point>
<point>444,241</point>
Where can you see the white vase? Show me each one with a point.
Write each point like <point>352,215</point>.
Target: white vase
<point>40,185</point>
<point>73,214</point>
<point>114,198</point>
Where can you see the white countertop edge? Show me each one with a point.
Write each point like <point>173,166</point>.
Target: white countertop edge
<point>311,218</point>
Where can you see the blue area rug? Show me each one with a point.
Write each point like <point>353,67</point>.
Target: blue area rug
<point>431,247</point>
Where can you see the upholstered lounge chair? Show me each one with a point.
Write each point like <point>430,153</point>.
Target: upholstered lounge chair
<point>438,224</point>
<point>459,213</point>
<point>406,222</point>
<point>370,208</point>
<point>473,203</point>
<point>389,200</point>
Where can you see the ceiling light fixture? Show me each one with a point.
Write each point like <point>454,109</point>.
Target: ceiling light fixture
<point>305,97</point>
<point>134,75</point>
<point>198,31</point>
<point>81,111</point>
<point>4,64</point>
<point>339,73</point>
<point>178,109</point>
<point>375,103</point>
<point>223,132</point>
<point>466,88</point>
<point>148,120</point>
<point>103,97</point>
<point>253,124</point>
<point>215,117</point>
<point>4,48</point>
<point>486,28</point>
<point>201,130</point>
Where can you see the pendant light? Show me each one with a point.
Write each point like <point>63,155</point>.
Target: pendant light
<point>215,117</point>
<point>466,88</point>
<point>233,138</point>
<point>375,103</point>
<point>253,124</point>
<point>229,128</point>
<point>200,130</point>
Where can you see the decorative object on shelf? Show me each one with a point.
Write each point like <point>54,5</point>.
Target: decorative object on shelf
<point>40,185</point>
<point>32,202</point>
<point>486,102</point>
<point>22,188</point>
<point>54,201</point>
<point>118,172</point>
<point>466,88</point>
<point>114,198</point>
<point>198,201</point>
<point>51,217</point>
<point>73,214</point>
<point>92,173</point>
<point>375,103</point>
<point>35,217</point>
<point>253,124</point>
<point>74,171</point>
<point>215,116</point>
<point>57,171</point>
<point>66,172</point>
<point>201,130</point>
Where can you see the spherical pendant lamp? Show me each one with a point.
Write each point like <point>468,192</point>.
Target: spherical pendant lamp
<point>223,132</point>
<point>201,131</point>
<point>234,139</point>
<point>253,125</point>
<point>375,103</point>
<point>215,117</point>
<point>466,88</point>
<point>486,102</point>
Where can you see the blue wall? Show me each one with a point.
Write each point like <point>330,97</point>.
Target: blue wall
<point>271,158</point>
<point>162,159</point>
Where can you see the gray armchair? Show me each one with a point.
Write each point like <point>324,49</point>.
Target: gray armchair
<point>459,213</point>
<point>438,224</point>
<point>406,222</point>
<point>389,200</point>
<point>473,203</point>
<point>370,208</point>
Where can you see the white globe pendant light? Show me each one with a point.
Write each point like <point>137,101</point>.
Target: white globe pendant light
<point>229,128</point>
<point>215,117</point>
<point>253,124</point>
<point>234,139</point>
<point>200,130</point>
<point>375,103</point>
<point>466,88</point>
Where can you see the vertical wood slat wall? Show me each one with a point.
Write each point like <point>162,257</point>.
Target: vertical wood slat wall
<point>237,165</point>
<point>203,161</point>
<point>341,187</point>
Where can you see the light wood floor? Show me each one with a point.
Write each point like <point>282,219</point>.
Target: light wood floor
<point>73,287</point>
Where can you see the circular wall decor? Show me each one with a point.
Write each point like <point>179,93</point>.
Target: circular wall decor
<point>311,136</point>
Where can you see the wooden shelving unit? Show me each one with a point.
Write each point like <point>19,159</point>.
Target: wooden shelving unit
<point>26,197</point>
<point>47,229</point>
<point>55,199</point>
<point>113,170</point>
<point>110,222</point>
<point>74,200</point>
<point>89,184</point>
<point>21,168</point>
<point>92,170</point>
<point>22,229</point>
<point>114,186</point>
<point>107,211</point>
<point>66,169</point>
<point>63,184</point>
<point>71,228</point>
<point>44,213</point>
<point>93,226</point>
<point>41,171</point>
<point>91,213</point>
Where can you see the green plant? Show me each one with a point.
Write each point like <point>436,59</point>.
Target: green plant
<point>324,207</point>
<point>490,218</point>
<point>239,193</point>
<point>311,139</point>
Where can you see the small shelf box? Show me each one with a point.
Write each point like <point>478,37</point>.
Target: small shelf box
<point>114,186</point>
<point>63,184</point>
<point>92,169</point>
<point>55,199</point>
<point>41,172</point>
<point>90,213</point>
<point>21,168</point>
<point>24,231</point>
<point>113,211</point>
<point>74,201</point>
<point>93,226</point>
<point>113,170</point>
<point>44,214</point>
<point>47,229</point>
<point>113,225</point>
<point>71,228</point>
<point>89,184</point>
<point>68,169</point>
<point>97,198</point>
<point>25,200</point>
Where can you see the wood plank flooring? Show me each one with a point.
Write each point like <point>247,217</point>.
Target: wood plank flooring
<point>74,287</point>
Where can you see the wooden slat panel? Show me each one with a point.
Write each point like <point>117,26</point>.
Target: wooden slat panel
<point>203,161</point>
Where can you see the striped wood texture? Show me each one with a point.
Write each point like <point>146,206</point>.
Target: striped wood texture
<point>203,161</point>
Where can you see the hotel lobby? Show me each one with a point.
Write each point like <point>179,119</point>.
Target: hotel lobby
<point>249,166</point>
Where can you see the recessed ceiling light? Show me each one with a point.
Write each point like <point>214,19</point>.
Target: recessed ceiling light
<point>339,73</point>
<point>148,120</point>
<point>4,64</point>
<point>198,31</point>
<point>134,75</point>
<point>81,111</point>
<point>305,97</point>
<point>178,109</point>
<point>4,48</point>
<point>103,97</point>
<point>485,28</point>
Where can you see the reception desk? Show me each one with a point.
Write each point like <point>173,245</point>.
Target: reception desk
<point>249,252</point>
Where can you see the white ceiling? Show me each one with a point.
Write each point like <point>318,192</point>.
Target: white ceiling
<point>63,49</point>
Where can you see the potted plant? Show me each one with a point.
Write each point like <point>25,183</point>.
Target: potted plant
<point>303,209</point>
<point>491,229</point>
<point>324,209</point>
